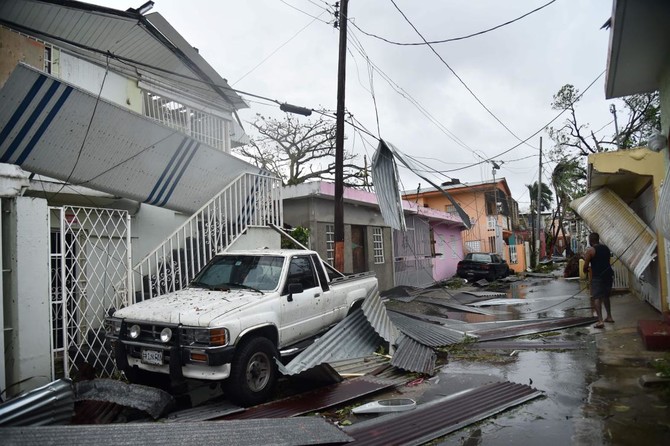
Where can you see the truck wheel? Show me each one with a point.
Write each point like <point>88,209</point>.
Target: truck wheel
<point>253,372</point>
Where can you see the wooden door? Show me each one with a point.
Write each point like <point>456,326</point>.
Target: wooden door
<point>358,251</point>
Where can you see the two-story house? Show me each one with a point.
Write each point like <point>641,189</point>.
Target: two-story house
<point>493,214</point>
<point>116,178</point>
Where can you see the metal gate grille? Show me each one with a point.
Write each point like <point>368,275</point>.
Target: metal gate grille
<point>90,254</point>
<point>413,260</point>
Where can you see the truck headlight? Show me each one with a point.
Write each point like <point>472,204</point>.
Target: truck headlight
<point>134,332</point>
<point>208,337</point>
<point>166,335</point>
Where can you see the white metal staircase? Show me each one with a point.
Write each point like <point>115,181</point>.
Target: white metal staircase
<point>249,200</point>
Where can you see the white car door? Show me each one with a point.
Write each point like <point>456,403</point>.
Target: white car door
<point>301,313</point>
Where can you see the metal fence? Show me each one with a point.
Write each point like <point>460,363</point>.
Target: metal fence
<point>89,254</point>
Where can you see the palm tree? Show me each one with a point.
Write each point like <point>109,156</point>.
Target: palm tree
<point>568,182</point>
<point>545,203</point>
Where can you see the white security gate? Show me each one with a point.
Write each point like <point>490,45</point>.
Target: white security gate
<point>413,262</point>
<point>90,255</point>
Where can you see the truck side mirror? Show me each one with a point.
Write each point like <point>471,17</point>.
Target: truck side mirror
<point>294,288</point>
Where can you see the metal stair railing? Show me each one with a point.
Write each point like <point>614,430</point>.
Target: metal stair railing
<point>249,200</point>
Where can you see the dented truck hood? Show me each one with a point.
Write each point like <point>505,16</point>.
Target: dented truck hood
<point>191,306</point>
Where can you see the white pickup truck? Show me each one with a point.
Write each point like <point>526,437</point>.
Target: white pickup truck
<point>239,313</point>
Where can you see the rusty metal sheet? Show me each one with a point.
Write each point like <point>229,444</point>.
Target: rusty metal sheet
<point>432,335</point>
<point>317,399</point>
<point>96,412</point>
<point>52,128</point>
<point>49,404</point>
<point>291,431</point>
<point>203,413</point>
<point>414,356</point>
<point>532,328</point>
<point>436,419</point>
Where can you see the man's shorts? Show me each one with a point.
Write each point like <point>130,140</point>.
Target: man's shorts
<point>601,288</point>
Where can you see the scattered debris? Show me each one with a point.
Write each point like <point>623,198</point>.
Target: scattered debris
<point>46,405</point>
<point>153,401</point>
<point>413,356</point>
<point>384,406</point>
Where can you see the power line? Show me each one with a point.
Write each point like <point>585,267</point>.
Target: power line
<point>306,13</point>
<point>453,39</point>
<point>458,77</point>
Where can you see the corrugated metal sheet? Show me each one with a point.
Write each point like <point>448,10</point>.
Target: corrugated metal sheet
<point>353,337</point>
<point>485,293</point>
<point>452,323</point>
<point>385,178</point>
<point>414,357</point>
<point>663,211</point>
<point>432,335</point>
<point>203,413</point>
<point>359,366</point>
<point>121,34</point>
<point>292,431</point>
<point>620,228</point>
<point>436,419</point>
<point>44,129</point>
<point>455,306</point>
<point>315,400</point>
<point>154,401</point>
<point>531,328</point>
<point>50,404</point>
<point>375,312</point>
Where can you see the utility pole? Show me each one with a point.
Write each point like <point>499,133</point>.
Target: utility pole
<point>616,126</point>
<point>339,140</point>
<point>495,167</point>
<point>538,207</point>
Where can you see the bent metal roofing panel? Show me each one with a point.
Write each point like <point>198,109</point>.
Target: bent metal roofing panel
<point>52,128</point>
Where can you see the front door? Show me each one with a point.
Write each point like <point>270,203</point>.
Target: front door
<point>358,254</point>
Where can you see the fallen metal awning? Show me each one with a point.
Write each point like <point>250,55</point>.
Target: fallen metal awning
<point>315,400</point>
<point>620,228</point>
<point>292,431</point>
<point>455,306</point>
<point>523,329</point>
<point>375,313</point>
<point>52,128</point>
<point>436,419</point>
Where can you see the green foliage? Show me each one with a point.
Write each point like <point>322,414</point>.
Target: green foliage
<point>301,234</point>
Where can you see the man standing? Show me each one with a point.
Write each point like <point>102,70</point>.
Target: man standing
<point>602,276</point>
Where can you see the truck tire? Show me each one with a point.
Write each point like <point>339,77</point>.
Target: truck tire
<point>253,372</point>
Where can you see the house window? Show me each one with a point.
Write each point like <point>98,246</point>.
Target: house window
<point>48,58</point>
<point>450,209</point>
<point>473,246</point>
<point>378,245</point>
<point>491,222</point>
<point>330,243</point>
<point>201,126</point>
<point>452,245</point>
<point>492,244</point>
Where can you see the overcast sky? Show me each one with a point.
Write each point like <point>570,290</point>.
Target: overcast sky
<point>282,49</point>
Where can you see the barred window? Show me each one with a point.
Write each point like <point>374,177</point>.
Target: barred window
<point>378,245</point>
<point>330,243</point>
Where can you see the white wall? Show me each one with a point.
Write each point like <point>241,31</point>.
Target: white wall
<point>257,238</point>
<point>150,226</point>
<point>26,296</point>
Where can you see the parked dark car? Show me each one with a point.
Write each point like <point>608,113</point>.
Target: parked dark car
<point>478,265</point>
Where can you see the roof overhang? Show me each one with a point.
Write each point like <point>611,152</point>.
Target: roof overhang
<point>639,47</point>
<point>627,173</point>
<point>54,129</point>
<point>141,46</point>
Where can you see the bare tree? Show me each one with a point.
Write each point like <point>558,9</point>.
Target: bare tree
<point>298,150</point>
<point>640,117</point>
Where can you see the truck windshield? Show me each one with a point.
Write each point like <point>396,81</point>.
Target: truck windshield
<point>241,271</point>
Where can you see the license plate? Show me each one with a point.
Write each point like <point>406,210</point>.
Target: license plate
<point>154,357</point>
